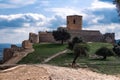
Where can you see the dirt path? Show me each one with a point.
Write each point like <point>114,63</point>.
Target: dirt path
<point>53,56</point>
<point>48,72</point>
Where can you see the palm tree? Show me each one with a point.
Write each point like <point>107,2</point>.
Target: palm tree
<point>79,50</point>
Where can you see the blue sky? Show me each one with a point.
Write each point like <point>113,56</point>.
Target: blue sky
<point>19,17</point>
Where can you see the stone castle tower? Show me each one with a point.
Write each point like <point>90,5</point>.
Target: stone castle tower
<point>74,22</point>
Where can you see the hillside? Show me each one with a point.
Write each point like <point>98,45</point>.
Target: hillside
<point>48,72</point>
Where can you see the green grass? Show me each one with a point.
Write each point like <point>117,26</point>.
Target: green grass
<point>42,51</point>
<point>109,66</point>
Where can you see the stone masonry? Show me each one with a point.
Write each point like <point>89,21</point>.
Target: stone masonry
<point>26,44</point>
<point>33,38</point>
<point>9,52</point>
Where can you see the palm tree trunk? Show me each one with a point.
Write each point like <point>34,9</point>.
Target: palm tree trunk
<point>61,41</point>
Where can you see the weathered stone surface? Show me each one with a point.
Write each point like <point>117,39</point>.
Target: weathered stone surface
<point>13,46</point>
<point>7,54</point>
<point>33,38</point>
<point>109,37</point>
<point>74,22</point>
<point>46,37</point>
<point>16,48</point>
<point>26,44</point>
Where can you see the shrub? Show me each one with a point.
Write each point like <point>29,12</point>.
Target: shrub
<point>104,52</point>
<point>116,49</point>
<point>74,41</point>
<point>77,40</point>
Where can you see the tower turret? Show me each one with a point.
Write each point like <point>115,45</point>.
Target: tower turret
<point>74,22</point>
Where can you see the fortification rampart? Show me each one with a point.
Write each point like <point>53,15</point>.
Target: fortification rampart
<point>46,37</point>
<point>33,38</point>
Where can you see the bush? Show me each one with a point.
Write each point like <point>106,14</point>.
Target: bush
<point>104,52</point>
<point>77,40</point>
<point>116,49</point>
<point>74,41</point>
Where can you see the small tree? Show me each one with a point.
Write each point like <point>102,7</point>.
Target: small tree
<point>74,41</point>
<point>61,35</point>
<point>80,50</point>
<point>105,52</point>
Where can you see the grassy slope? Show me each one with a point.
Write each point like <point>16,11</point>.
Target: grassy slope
<point>41,52</point>
<point>110,66</point>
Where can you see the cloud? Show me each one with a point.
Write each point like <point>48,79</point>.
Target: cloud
<point>110,1</point>
<point>100,4</point>
<point>15,28</point>
<point>19,20</point>
<point>101,16</point>
<point>63,12</point>
<point>15,3</point>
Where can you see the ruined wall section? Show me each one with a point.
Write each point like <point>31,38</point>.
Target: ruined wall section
<point>33,38</point>
<point>9,52</point>
<point>109,38</point>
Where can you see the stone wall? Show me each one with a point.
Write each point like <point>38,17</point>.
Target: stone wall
<point>26,44</point>
<point>9,52</point>
<point>33,38</point>
<point>87,35</point>
<point>46,37</point>
<point>109,38</point>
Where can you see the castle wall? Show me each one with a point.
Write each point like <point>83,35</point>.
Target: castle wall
<point>46,37</point>
<point>87,35</point>
<point>33,38</point>
<point>26,44</point>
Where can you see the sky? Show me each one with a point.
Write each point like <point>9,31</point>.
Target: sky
<point>19,17</point>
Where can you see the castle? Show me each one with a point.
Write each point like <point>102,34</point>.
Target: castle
<point>74,27</point>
